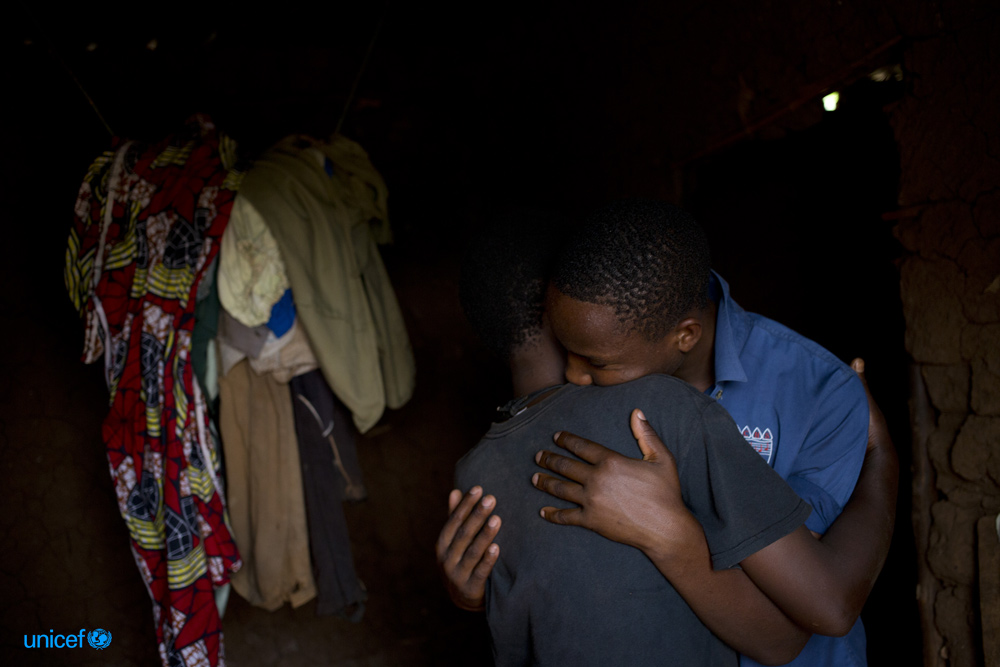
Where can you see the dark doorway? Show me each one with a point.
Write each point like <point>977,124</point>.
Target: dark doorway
<point>796,225</point>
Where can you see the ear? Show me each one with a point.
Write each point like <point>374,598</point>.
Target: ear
<point>687,334</point>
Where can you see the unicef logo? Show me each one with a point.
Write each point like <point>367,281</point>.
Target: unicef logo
<point>99,639</point>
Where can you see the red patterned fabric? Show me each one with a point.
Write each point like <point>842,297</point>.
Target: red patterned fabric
<point>132,270</point>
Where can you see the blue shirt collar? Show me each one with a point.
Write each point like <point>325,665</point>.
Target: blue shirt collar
<point>731,330</point>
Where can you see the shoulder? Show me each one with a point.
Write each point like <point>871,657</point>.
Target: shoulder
<point>659,385</point>
<point>765,331</point>
<point>772,349</point>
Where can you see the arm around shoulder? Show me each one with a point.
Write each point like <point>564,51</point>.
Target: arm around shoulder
<point>725,600</point>
<point>823,584</point>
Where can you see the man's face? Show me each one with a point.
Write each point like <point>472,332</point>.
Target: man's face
<point>599,350</point>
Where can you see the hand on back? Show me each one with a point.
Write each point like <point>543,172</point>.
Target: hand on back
<point>632,501</point>
<point>465,550</point>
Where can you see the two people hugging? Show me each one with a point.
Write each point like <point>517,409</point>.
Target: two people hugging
<point>677,481</point>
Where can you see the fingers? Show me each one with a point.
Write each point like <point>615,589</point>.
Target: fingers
<point>470,528</point>
<point>586,449</point>
<point>467,582</point>
<point>878,429</point>
<point>465,550</point>
<point>464,523</point>
<point>858,365</point>
<point>560,488</point>
<point>650,444</point>
<point>481,572</point>
<point>473,557</point>
<point>572,516</point>
<point>563,465</point>
<point>453,498</point>
<point>457,515</point>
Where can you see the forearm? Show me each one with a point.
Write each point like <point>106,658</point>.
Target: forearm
<point>729,603</point>
<point>824,583</point>
<point>858,541</point>
<point>831,578</point>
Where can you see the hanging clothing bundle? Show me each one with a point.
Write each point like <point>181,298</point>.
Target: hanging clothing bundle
<point>147,226</point>
<point>264,320</point>
<point>309,323</point>
<point>326,207</point>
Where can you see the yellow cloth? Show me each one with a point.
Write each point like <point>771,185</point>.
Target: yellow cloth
<point>326,227</point>
<point>251,274</point>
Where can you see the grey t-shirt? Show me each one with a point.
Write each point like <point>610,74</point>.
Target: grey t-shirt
<point>563,595</point>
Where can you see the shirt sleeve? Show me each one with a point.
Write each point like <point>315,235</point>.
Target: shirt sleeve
<point>833,449</point>
<point>741,503</point>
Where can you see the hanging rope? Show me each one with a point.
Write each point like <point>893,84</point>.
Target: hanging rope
<point>361,70</point>
<point>55,56</point>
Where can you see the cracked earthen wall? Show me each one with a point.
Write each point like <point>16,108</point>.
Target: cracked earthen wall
<point>949,141</point>
<point>765,60</point>
<point>948,224</point>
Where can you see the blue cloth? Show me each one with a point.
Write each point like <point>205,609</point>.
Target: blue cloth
<point>806,413</point>
<point>282,315</point>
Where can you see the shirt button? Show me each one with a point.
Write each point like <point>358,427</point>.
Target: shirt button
<point>718,394</point>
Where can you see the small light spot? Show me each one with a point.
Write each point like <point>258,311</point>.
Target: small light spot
<point>830,101</point>
<point>92,47</point>
<point>152,44</point>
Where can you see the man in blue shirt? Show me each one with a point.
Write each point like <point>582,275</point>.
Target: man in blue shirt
<point>632,295</point>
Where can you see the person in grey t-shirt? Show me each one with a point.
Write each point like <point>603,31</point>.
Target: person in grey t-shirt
<point>626,613</point>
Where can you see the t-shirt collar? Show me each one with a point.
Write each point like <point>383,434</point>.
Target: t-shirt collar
<point>516,406</point>
<point>731,331</point>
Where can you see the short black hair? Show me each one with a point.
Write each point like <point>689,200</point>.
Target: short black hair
<point>504,274</point>
<point>647,258</point>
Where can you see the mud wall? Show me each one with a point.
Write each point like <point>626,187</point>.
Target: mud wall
<point>950,227</point>
<point>761,70</point>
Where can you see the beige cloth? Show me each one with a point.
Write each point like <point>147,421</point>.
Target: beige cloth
<point>283,357</point>
<point>266,501</point>
<point>251,273</point>
<point>287,356</point>
<point>326,227</point>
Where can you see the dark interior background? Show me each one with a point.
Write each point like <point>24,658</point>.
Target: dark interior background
<point>464,110</point>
